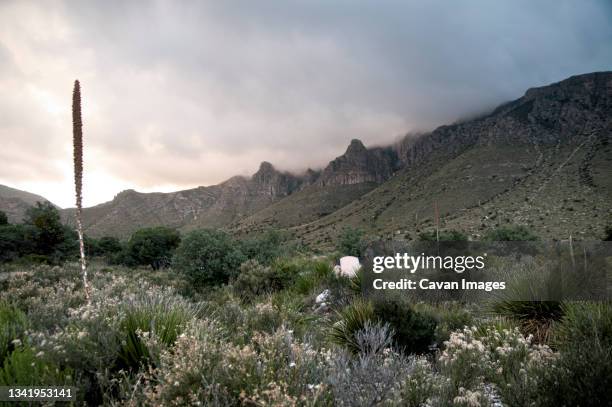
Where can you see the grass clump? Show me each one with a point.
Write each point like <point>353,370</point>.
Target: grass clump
<point>24,367</point>
<point>583,372</point>
<point>534,317</point>
<point>13,324</point>
<point>161,318</point>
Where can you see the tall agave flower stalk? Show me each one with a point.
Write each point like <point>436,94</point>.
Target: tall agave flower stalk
<point>77,142</point>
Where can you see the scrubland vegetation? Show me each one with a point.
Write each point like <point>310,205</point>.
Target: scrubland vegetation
<point>204,319</point>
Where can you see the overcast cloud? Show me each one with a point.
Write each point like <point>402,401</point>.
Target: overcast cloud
<point>178,94</point>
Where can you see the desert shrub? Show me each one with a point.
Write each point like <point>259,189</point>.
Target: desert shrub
<point>109,245</point>
<point>510,233</point>
<point>373,375</point>
<point>351,242</point>
<point>41,239</point>
<point>15,242</point>
<point>414,331</point>
<point>159,316</point>
<point>25,367</point>
<point>3,219</point>
<point>265,248</point>
<point>352,319</point>
<point>308,274</point>
<point>443,236</point>
<point>208,257</point>
<point>583,373</point>
<point>255,280</point>
<point>449,317</point>
<point>504,358</point>
<point>152,246</point>
<point>421,386</point>
<point>204,367</point>
<point>13,324</point>
<point>534,317</point>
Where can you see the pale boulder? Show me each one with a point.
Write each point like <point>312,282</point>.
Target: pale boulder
<point>349,265</point>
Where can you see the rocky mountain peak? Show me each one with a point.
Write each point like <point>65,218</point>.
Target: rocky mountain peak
<point>356,147</point>
<point>269,181</point>
<point>358,165</point>
<point>265,168</point>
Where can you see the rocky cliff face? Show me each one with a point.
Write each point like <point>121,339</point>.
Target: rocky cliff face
<point>567,111</point>
<point>268,181</point>
<point>543,161</point>
<point>358,165</point>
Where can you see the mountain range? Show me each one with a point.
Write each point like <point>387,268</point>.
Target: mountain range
<point>543,160</point>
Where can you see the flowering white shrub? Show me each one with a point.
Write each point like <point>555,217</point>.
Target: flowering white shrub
<point>505,358</point>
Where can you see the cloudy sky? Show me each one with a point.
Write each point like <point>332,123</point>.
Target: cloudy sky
<point>178,94</point>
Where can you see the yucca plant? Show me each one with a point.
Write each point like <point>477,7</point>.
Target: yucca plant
<point>165,318</point>
<point>77,143</point>
<point>353,318</point>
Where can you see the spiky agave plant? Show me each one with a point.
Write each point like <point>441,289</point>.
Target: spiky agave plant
<point>77,142</point>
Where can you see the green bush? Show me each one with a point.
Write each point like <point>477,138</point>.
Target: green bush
<point>265,248</point>
<point>310,275</point>
<point>414,330</point>
<point>583,373</point>
<point>152,246</point>
<point>444,236</point>
<point>109,245</point>
<point>255,280</point>
<point>352,319</point>
<point>158,317</point>
<point>50,237</point>
<point>41,238</point>
<point>510,233</point>
<point>24,368</point>
<point>449,317</point>
<point>3,219</point>
<point>351,242</point>
<point>13,324</point>
<point>15,242</point>
<point>208,257</point>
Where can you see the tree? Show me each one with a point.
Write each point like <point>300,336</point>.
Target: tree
<point>15,242</point>
<point>265,248</point>
<point>350,242</point>
<point>3,219</point>
<point>48,233</point>
<point>208,257</point>
<point>152,246</point>
<point>109,245</point>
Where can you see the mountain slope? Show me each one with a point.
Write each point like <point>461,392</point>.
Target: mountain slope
<point>213,206</point>
<point>15,202</point>
<point>344,179</point>
<point>544,160</point>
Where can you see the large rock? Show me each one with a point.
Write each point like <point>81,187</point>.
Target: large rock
<point>349,266</point>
